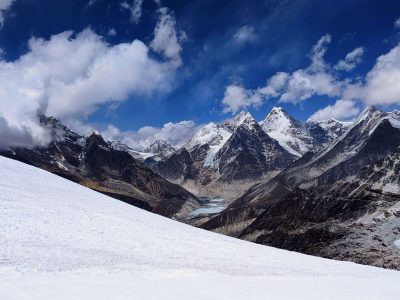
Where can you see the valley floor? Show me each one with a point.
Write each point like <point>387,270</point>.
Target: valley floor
<point>59,240</point>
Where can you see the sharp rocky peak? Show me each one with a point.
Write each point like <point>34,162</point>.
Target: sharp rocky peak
<point>279,118</point>
<point>243,118</point>
<point>160,147</point>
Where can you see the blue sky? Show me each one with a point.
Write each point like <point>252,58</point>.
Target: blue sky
<point>221,44</point>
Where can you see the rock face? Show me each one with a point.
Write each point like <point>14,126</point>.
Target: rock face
<point>100,165</point>
<point>342,202</point>
<point>225,154</point>
<point>357,218</point>
<point>250,152</point>
<point>226,159</point>
<point>299,138</point>
<point>161,148</point>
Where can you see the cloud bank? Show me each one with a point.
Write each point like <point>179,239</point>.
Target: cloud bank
<point>70,75</point>
<point>175,133</point>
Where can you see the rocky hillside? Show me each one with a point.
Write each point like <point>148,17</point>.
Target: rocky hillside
<point>228,158</point>
<point>102,166</point>
<point>341,202</point>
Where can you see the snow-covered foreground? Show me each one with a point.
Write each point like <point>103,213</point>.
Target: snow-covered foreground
<point>59,240</point>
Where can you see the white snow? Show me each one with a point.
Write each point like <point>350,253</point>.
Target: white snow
<point>59,240</point>
<point>215,135</point>
<point>290,135</point>
<point>396,243</point>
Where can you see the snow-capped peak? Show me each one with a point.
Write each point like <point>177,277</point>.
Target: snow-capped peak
<point>290,133</point>
<point>332,127</point>
<point>95,132</point>
<point>368,112</point>
<point>279,119</point>
<point>243,118</point>
<point>395,114</point>
<point>214,135</point>
<point>160,147</point>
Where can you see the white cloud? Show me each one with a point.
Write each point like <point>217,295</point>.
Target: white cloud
<point>351,60</point>
<point>318,52</point>
<point>397,23</point>
<point>135,9</point>
<point>245,34</point>
<point>275,85</point>
<point>341,110</point>
<point>316,79</point>
<point>69,76</point>
<point>4,6</point>
<point>165,39</point>
<point>303,84</point>
<point>381,84</point>
<point>237,98</point>
<point>175,133</point>
<point>319,78</point>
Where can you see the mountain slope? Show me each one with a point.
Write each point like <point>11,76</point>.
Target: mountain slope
<point>250,153</point>
<point>61,240</point>
<point>356,218</point>
<point>291,134</point>
<point>372,137</point>
<point>299,138</point>
<point>100,165</point>
<point>225,159</point>
<point>369,139</point>
<point>161,148</point>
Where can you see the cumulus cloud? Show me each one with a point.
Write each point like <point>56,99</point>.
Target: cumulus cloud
<point>316,79</point>
<point>69,76</point>
<point>4,6</point>
<point>341,110</point>
<point>165,39</point>
<point>175,133</point>
<point>381,84</point>
<point>134,9</point>
<point>351,60</point>
<point>244,35</point>
<point>237,98</point>
<point>319,78</point>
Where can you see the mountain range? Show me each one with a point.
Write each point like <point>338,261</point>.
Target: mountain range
<point>327,188</point>
<point>340,202</point>
<point>226,159</point>
<point>107,167</point>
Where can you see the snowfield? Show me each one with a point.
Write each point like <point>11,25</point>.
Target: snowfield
<point>59,240</point>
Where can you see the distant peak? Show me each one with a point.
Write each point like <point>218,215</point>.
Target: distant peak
<point>278,112</point>
<point>278,109</point>
<point>369,109</point>
<point>242,116</point>
<point>160,142</point>
<point>161,147</point>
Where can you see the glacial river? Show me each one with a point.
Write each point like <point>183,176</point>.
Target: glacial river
<point>209,206</point>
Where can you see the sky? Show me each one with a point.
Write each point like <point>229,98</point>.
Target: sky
<point>141,70</point>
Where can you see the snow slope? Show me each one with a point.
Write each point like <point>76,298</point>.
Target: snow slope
<point>215,135</point>
<point>290,133</point>
<point>59,240</point>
